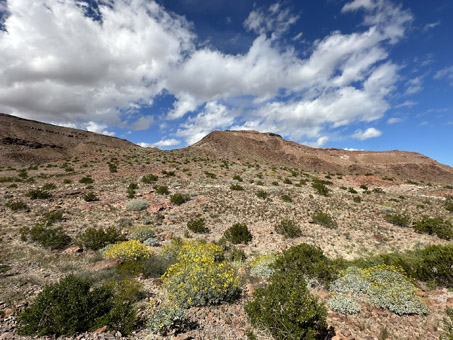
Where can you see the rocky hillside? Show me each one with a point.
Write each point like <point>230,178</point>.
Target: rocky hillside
<point>272,149</point>
<point>25,142</point>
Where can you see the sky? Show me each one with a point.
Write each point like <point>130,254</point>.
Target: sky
<point>349,74</point>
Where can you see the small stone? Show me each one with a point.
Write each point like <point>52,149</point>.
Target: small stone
<point>346,333</point>
<point>450,302</point>
<point>250,289</point>
<point>101,330</point>
<point>241,271</point>
<point>105,264</point>
<point>8,312</point>
<point>6,336</point>
<point>73,250</point>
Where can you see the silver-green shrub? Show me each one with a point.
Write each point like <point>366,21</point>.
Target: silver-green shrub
<point>141,234</point>
<point>136,205</point>
<point>165,319</point>
<point>343,304</point>
<point>152,242</point>
<point>262,265</point>
<point>350,281</point>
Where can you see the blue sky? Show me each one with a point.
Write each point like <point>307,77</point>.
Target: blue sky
<point>354,74</point>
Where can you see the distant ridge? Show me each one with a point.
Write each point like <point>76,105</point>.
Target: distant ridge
<point>24,142</point>
<point>271,148</point>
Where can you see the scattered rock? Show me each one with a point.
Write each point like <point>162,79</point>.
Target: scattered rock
<point>73,250</point>
<point>105,264</point>
<point>101,330</point>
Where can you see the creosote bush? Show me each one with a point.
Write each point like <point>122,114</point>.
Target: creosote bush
<point>321,188</point>
<point>46,236</point>
<point>179,198</point>
<point>262,194</point>
<point>95,239</point>
<point>236,187</point>
<point>400,220</point>
<point>86,180</point>
<point>288,228</point>
<point>324,219</point>
<point>287,310</point>
<point>148,179</point>
<point>90,197</point>
<point>449,203</point>
<point>38,194</point>
<point>435,226</point>
<point>238,233</point>
<point>161,189</point>
<point>16,205</point>
<point>197,225</point>
<point>72,306</point>
<point>199,278</point>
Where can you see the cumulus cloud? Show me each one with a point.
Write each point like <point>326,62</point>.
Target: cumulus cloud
<point>393,120</point>
<point>367,134</point>
<point>98,128</point>
<point>161,143</point>
<point>57,64</point>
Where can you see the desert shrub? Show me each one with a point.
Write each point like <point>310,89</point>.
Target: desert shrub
<point>166,319</point>
<point>153,266</point>
<point>320,188</point>
<point>286,198</point>
<point>198,278</point>
<point>38,194</point>
<point>435,226</point>
<point>128,250</point>
<point>131,190</point>
<point>350,281</point>
<point>364,187</point>
<point>113,167</point>
<point>390,289</point>
<point>67,181</point>
<point>287,181</point>
<point>168,173</point>
<point>234,254</point>
<point>436,264</point>
<point>449,203</point>
<point>179,198</point>
<point>287,310</point>
<point>238,233</point>
<point>86,180</point>
<point>378,191</point>
<point>237,178</point>
<point>262,265</point>
<point>324,219</point>
<point>288,228</point>
<point>352,191</point>
<point>142,233</point>
<point>357,199</point>
<point>16,205</point>
<point>343,304</point>
<point>236,187</point>
<point>90,197</point>
<point>152,242</point>
<point>49,186</point>
<point>307,261</point>
<point>96,239</point>
<point>71,306</point>
<point>51,217</point>
<point>46,236</point>
<point>161,189</point>
<point>136,205</point>
<point>397,219</point>
<point>210,174</point>
<point>448,324</point>
<point>148,179</point>
<point>197,225</point>
<point>262,194</point>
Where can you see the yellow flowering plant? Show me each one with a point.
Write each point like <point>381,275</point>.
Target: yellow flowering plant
<point>129,250</point>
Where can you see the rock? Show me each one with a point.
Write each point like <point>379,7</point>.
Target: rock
<point>105,264</point>
<point>249,289</point>
<point>158,207</point>
<point>450,302</point>
<point>8,312</point>
<point>183,337</point>
<point>101,330</point>
<point>6,336</point>
<point>242,271</point>
<point>73,250</point>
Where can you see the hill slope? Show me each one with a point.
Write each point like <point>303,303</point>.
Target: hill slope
<point>272,149</point>
<point>24,141</point>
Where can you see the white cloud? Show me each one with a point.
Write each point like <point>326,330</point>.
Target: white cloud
<point>446,72</point>
<point>393,120</point>
<point>142,123</point>
<point>319,142</point>
<point>431,25</point>
<point>368,133</point>
<point>407,103</point>
<point>414,85</point>
<point>352,149</point>
<point>98,128</point>
<point>161,143</point>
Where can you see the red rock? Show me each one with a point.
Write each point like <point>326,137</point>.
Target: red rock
<point>249,289</point>
<point>73,250</point>
<point>242,271</point>
<point>105,264</point>
<point>101,330</point>
<point>158,207</point>
<point>450,302</point>
<point>8,312</point>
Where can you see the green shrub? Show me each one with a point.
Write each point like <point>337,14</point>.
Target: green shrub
<point>262,194</point>
<point>166,319</point>
<point>136,205</point>
<point>71,306</point>
<point>288,228</point>
<point>352,190</point>
<point>153,266</point>
<point>350,282</point>
<point>148,179</point>
<point>113,167</point>
<point>179,198</point>
<point>324,219</point>
<point>142,234</point>
<point>320,188</point>
<point>52,217</point>
<point>16,205</point>
<point>263,265</point>
<point>448,324</point>
<point>67,181</point>
<point>343,305</point>
<point>378,191</point>
<point>287,310</point>
<point>210,175</point>
<point>131,190</point>
<point>398,219</point>
<point>449,203</point>
<point>435,226</point>
<point>86,180</point>
<point>161,189</point>
<point>436,265</point>
<point>38,194</point>
<point>46,236</point>
<point>237,178</point>
<point>235,255</point>
<point>286,198</point>
<point>49,186</point>
<point>238,233</point>
<point>287,181</point>
<point>357,199</point>
<point>96,239</point>
<point>364,187</point>
<point>197,225</point>
<point>309,262</point>
<point>198,278</point>
<point>236,187</point>
<point>129,251</point>
<point>90,197</point>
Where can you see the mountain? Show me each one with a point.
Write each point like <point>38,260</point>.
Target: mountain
<point>24,142</point>
<point>272,149</point>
